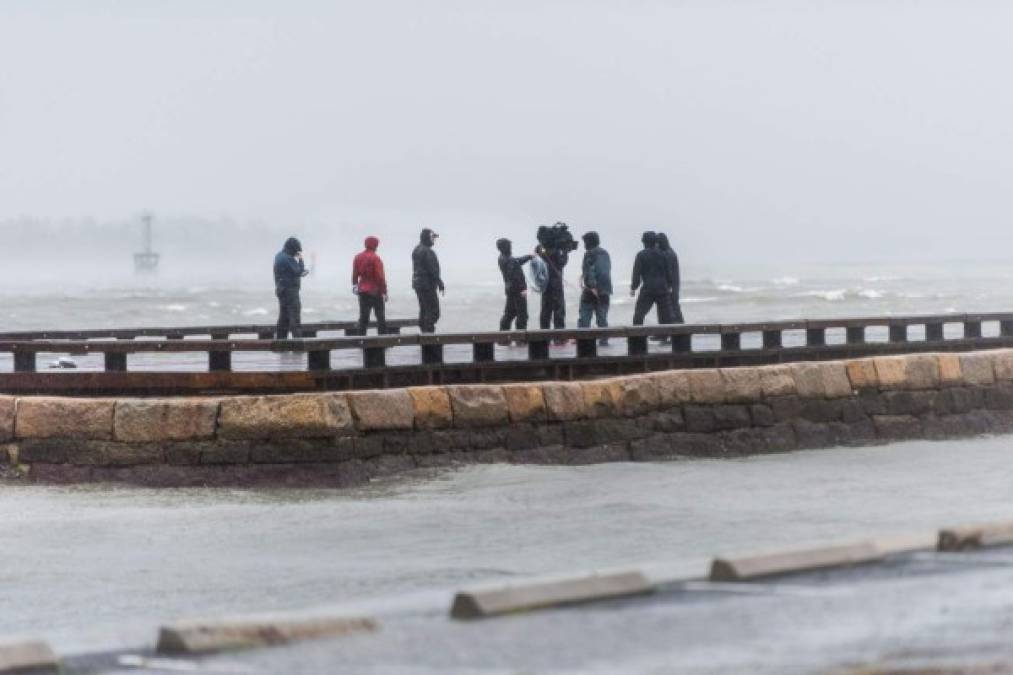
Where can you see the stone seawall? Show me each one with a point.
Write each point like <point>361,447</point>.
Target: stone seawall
<point>348,438</point>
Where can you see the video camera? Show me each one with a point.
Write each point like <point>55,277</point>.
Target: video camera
<point>556,238</point>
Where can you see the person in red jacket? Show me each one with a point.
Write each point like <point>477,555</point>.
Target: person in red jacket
<point>370,284</point>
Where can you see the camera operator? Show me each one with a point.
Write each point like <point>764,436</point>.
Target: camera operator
<point>556,244</point>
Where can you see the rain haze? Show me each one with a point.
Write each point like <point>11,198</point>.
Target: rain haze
<point>763,135</point>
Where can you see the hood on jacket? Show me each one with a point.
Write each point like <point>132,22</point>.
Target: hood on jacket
<point>372,243</point>
<point>292,246</point>
<point>649,239</point>
<point>591,240</point>
<point>505,246</point>
<point>427,236</point>
<point>663,242</point>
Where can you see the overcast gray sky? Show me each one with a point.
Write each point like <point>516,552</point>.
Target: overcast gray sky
<point>811,130</point>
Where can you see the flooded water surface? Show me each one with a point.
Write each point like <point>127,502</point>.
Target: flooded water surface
<point>101,566</point>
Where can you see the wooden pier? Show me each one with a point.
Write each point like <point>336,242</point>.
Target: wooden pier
<point>691,346</point>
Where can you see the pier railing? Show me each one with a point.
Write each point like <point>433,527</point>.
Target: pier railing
<point>221,332</point>
<point>689,346</point>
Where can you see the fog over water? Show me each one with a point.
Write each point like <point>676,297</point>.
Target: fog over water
<point>763,136</point>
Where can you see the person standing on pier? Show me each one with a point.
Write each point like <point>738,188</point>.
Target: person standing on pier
<point>596,284</point>
<point>426,281</point>
<point>675,310</point>
<point>554,250</point>
<point>653,276</point>
<point>515,286</point>
<point>289,269</point>
<point>370,284</point>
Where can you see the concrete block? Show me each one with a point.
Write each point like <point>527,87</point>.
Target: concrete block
<point>950,374</point>
<point>600,398</point>
<point>33,657</point>
<point>673,387</point>
<point>564,401</point>
<point>142,420</point>
<point>479,405</point>
<point>905,543</point>
<point>1002,362</point>
<point>862,374</point>
<point>524,597</point>
<point>789,562</point>
<point>706,386</point>
<point>977,368</point>
<point>53,417</point>
<point>922,371</point>
<point>742,385</point>
<point>382,410</point>
<point>636,395</point>
<point>432,407</point>
<point>525,402</point>
<point>821,380</point>
<point>891,371</point>
<point>285,416</point>
<point>777,381</point>
<point>214,635</point>
<point>912,371</point>
<point>975,536</point>
<point>808,380</point>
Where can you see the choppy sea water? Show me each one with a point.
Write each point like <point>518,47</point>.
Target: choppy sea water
<point>476,304</point>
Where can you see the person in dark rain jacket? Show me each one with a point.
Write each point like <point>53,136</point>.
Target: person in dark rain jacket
<point>515,286</point>
<point>553,314</point>
<point>596,283</point>
<point>426,281</point>
<point>289,270</point>
<point>675,310</point>
<point>653,276</point>
<point>370,283</point>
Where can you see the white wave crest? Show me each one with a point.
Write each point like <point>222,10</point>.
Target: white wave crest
<point>258,311</point>
<point>833,295</point>
<point>174,308</point>
<point>785,281</point>
<point>870,294</point>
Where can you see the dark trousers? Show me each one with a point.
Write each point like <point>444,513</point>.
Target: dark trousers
<point>289,312</point>
<point>647,300</point>
<point>516,308</point>
<point>674,309</point>
<point>429,309</point>
<point>553,313</point>
<point>371,303</point>
<point>593,305</point>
